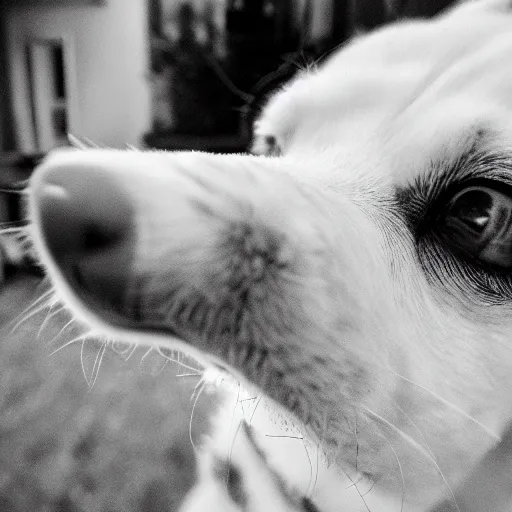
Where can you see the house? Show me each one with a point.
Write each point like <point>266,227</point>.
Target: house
<point>78,66</point>
<point>83,66</point>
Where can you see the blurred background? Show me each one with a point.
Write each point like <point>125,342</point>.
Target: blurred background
<point>83,426</point>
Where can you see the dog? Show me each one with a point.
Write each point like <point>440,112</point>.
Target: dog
<point>352,275</point>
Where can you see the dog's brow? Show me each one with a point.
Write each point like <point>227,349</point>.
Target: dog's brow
<point>450,59</point>
<point>477,162</point>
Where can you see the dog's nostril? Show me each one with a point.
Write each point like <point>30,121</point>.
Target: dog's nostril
<point>94,239</point>
<point>85,218</point>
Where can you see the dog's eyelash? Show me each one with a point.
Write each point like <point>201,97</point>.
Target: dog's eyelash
<point>422,201</point>
<point>473,281</point>
<point>421,205</point>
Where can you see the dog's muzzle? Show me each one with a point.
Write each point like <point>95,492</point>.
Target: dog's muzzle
<point>137,237</point>
<point>225,256</point>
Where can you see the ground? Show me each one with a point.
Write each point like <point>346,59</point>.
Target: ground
<point>123,445</point>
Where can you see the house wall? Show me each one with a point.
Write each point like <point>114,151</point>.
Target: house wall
<point>108,68</point>
<point>321,18</point>
<point>7,141</point>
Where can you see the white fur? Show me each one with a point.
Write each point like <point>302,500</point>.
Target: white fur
<point>373,358</point>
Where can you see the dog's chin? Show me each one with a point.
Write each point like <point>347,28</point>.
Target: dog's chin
<point>241,361</point>
<point>234,366</point>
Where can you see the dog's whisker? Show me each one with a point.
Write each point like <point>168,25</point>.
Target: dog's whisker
<point>49,315</point>
<point>161,369</point>
<point>180,363</point>
<point>284,436</point>
<point>234,426</point>
<point>185,366</point>
<point>91,379</point>
<point>312,480</point>
<point>354,483</point>
<point>450,405</point>
<point>131,352</point>
<point>14,227</point>
<point>406,437</point>
<point>401,473</point>
<point>420,433</point>
<point>371,488</point>
<point>65,345</point>
<point>16,189</point>
<point>97,364</point>
<point>157,367</point>
<point>81,142</point>
<point>433,458</point>
<point>145,356</point>
<point>83,339</point>
<point>34,309</point>
<point>63,328</point>
<point>390,444</point>
<point>418,447</point>
<point>200,386</point>
<point>44,296</point>
<point>256,405</point>
<point>357,442</point>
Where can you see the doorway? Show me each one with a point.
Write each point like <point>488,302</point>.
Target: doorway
<point>49,96</point>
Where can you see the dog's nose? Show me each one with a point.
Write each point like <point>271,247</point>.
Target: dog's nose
<point>85,219</point>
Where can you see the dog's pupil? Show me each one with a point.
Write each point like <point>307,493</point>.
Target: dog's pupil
<point>477,223</point>
<point>473,208</point>
<point>95,239</point>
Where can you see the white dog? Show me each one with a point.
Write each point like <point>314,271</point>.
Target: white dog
<point>354,274</point>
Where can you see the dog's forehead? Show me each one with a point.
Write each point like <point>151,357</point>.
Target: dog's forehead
<point>407,94</point>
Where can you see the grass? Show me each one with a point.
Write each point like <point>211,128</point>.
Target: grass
<point>122,445</point>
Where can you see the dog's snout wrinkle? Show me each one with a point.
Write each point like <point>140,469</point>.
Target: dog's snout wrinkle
<point>86,224</point>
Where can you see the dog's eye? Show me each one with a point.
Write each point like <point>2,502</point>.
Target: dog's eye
<point>477,223</point>
<point>266,145</point>
<point>271,146</point>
